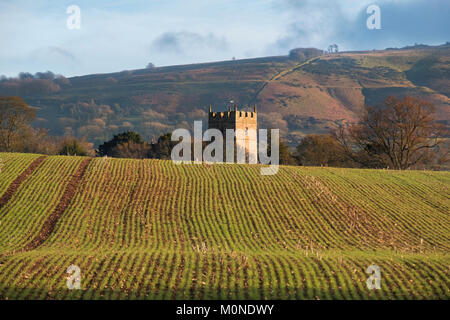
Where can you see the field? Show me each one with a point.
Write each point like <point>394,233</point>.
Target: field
<point>149,229</point>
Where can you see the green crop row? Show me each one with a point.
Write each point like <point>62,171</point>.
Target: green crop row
<point>150,229</point>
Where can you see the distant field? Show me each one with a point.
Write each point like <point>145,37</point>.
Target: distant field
<point>149,229</point>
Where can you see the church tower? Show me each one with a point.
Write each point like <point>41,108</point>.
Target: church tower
<point>246,122</point>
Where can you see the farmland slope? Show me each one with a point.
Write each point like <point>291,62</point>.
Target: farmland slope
<point>149,229</point>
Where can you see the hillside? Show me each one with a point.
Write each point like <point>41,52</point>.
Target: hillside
<point>299,94</point>
<point>148,229</point>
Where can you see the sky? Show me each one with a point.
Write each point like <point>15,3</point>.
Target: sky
<point>117,35</point>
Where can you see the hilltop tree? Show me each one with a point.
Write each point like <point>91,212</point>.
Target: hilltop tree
<point>131,150</point>
<point>400,133</point>
<point>304,53</point>
<point>162,149</point>
<point>128,137</point>
<point>71,146</point>
<point>321,150</point>
<point>15,119</point>
<point>285,155</point>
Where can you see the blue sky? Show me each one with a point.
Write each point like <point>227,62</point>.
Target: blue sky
<point>128,34</point>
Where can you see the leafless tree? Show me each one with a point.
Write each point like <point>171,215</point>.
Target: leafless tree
<point>400,133</point>
<point>15,118</point>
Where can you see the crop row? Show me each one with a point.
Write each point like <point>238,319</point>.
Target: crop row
<point>23,216</point>
<point>11,166</point>
<point>155,204</point>
<point>151,229</point>
<point>133,274</point>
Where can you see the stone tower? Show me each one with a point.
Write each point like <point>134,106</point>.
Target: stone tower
<point>247,121</point>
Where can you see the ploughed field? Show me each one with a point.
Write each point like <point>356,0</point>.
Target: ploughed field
<point>150,229</point>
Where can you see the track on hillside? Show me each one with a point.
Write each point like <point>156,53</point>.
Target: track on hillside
<point>278,76</point>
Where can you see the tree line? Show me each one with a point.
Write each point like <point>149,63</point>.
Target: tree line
<point>17,135</point>
<point>401,133</point>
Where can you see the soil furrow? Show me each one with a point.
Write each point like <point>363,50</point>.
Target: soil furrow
<point>18,181</point>
<point>51,221</point>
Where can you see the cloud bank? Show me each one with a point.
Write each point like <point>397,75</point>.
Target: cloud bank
<point>123,35</point>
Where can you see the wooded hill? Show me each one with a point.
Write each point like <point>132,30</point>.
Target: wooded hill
<point>305,92</point>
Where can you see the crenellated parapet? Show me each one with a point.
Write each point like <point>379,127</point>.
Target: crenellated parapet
<point>221,115</point>
<point>246,121</point>
<point>232,114</point>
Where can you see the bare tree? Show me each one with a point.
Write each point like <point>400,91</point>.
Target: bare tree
<point>400,134</point>
<point>322,150</point>
<point>15,118</point>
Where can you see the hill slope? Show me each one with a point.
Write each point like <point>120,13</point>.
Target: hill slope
<point>150,229</point>
<point>298,94</point>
